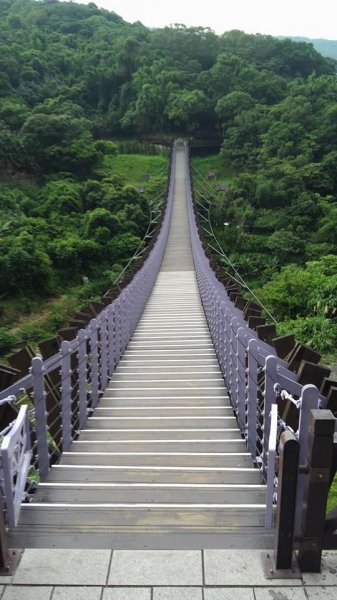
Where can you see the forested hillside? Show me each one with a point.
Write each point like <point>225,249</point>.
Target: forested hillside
<point>325,47</point>
<point>76,80</point>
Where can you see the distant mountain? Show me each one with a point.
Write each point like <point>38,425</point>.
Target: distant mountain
<point>325,47</point>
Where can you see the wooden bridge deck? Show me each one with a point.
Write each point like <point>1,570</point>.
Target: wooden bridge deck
<point>161,463</point>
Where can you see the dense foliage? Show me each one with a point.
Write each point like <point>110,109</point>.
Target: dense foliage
<point>325,47</point>
<point>75,77</point>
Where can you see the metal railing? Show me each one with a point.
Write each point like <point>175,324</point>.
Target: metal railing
<point>265,395</point>
<point>59,393</point>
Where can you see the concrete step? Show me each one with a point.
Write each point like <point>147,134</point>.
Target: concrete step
<point>169,337</point>
<point>159,423</point>
<point>143,538</point>
<point>182,370</point>
<point>231,445</point>
<point>168,393</point>
<point>159,516</point>
<point>151,435</point>
<point>154,375</point>
<point>112,401</point>
<point>151,493</point>
<point>172,362</point>
<point>109,474</point>
<point>170,353</point>
<point>207,382</point>
<point>164,344</point>
<point>155,329</point>
<point>163,411</point>
<point>240,459</point>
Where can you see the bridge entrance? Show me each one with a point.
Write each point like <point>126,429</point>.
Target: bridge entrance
<point>161,462</point>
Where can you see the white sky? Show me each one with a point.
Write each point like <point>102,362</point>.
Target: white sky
<point>308,18</point>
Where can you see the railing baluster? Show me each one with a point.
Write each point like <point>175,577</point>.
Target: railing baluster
<point>111,340</point>
<point>66,395</point>
<point>104,351</point>
<point>269,399</point>
<point>252,398</point>
<point>271,466</point>
<point>82,378</point>
<point>241,377</point>
<point>94,362</point>
<point>37,370</point>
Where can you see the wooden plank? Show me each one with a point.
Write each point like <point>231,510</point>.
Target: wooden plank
<point>310,372</point>
<point>284,344</point>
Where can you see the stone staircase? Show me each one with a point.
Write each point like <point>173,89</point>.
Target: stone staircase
<point>161,463</point>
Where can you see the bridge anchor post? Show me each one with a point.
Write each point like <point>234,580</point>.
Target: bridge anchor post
<point>320,450</point>
<point>280,564</point>
<point>9,557</point>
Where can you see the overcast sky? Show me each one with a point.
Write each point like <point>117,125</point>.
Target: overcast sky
<point>309,18</point>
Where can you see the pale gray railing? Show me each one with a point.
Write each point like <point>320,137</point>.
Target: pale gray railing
<point>44,429</point>
<point>253,373</point>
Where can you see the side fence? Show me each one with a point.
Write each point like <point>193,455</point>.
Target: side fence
<point>51,413</point>
<point>267,399</point>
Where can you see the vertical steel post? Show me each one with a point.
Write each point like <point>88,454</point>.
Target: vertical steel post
<point>111,339</point>
<point>104,351</point>
<point>241,377</point>
<point>94,362</point>
<point>82,377</point>
<point>271,467</point>
<point>269,398</point>
<point>66,395</point>
<point>40,416</point>
<point>252,398</point>
<point>319,457</point>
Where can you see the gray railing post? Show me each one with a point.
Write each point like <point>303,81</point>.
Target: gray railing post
<point>252,398</point>
<point>222,349</point>
<point>41,417</point>
<point>319,457</point>
<point>271,467</point>
<point>104,351</point>
<point>233,361</point>
<point>241,378</point>
<point>227,346</point>
<point>66,394</point>
<point>82,378</point>
<point>94,362</point>
<point>118,343</point>
<point>269,399</point>
<point>111,340</point>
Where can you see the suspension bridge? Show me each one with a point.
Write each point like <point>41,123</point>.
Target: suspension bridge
<point>165,431</point>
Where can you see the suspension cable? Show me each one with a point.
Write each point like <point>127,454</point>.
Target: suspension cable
<point>239,279</point>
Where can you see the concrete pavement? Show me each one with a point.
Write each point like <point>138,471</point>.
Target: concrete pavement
<point>159,575</point>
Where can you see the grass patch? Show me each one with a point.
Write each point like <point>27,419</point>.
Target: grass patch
<point>213,164</point>
<point>40,320</point>
<point>332,498</point>
<point>132,167</point>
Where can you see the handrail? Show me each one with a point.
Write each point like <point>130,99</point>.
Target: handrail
<point>250,368</point>
<point>58,406</point>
